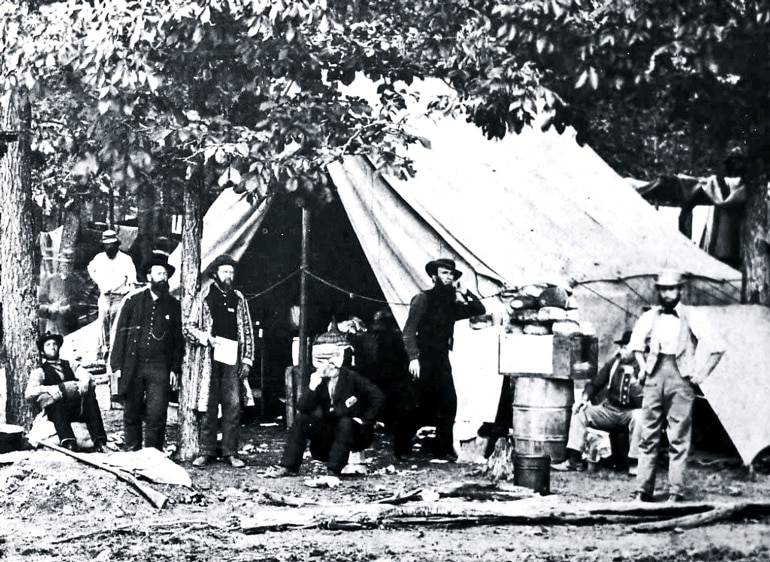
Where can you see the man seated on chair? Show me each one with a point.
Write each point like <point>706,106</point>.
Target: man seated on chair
<point>66,394</point>
<point>337,411</point>
<point>620,410</point>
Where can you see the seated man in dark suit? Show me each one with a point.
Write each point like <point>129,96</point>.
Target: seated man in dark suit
<point>67,395</point>
<point>337,412</point>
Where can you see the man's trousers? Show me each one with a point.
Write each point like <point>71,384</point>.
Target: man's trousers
<point>146,400</point>
<point>84,409</point>
<point>331,440</point>
<point>225,389</point>
<point>437,402</point>
<point>668,397</point>
<point>607,417</point>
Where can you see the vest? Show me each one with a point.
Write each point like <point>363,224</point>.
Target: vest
<point>52,377</point>
<point>685,350</point>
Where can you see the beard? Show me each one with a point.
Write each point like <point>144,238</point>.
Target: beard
<point>111,252</point>
<point>445,291</point>
<point>668,304</point>
<point>225,285</point>
<point>160,288</point>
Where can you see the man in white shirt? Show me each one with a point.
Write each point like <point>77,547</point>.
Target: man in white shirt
<point>670,335</point>
<point>114,273</point>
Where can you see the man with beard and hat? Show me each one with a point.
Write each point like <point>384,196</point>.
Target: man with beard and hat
<point>220,332</point>
<point>146,356</point>
<point>681,352</point>
<point>337,411</point>
<point>66,393</point>
<point>620,409</point>
<point>428,337</point>
<point>114,273</point>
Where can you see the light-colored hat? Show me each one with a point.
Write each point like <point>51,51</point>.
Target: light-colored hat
<point>110,237</point>
<point>669,278</point>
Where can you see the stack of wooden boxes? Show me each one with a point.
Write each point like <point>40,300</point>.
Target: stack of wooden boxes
<point>544,350</point>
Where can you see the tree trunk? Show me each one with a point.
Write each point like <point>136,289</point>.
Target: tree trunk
<point>17,253</point>
<point>191,266</point>
<point>56,291</point>
<point>145,213</point>
<point>754,244</point>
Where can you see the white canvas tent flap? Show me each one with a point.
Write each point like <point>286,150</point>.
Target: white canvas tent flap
<point>739,388</point>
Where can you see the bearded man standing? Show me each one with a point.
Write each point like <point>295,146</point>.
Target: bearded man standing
<point>147,355</point>
<point>681,351</point>
<point>428,337</point>
<point>220,331</point>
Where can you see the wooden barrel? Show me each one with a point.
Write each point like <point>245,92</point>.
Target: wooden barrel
<point>541,412</point>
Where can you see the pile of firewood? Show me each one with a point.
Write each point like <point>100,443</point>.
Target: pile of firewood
<point>541,310</point>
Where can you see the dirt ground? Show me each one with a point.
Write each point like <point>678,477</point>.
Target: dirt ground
<point>54,508</point>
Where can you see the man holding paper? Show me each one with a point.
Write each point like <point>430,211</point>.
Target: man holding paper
<point>220,332</point>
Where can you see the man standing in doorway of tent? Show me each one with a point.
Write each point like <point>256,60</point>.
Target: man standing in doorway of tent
<point>220,332</point>
<point>681,352</point>
<point>428,337</point>
<point>114,273</point>
<point>146,356</point>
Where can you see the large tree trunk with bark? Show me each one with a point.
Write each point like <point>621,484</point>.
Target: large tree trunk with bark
<point>57,296</point>
<point>191,266</point>
<point>754,243</point>
<point>18,288</point>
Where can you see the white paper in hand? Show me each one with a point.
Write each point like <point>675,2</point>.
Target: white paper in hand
<point>226,351</point>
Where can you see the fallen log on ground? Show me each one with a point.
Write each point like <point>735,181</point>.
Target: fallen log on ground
<point>470,490</point>
<point>531,511</point>
<point>716,514</point>
<point>156,499</point>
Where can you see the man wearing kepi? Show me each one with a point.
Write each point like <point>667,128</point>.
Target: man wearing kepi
<point>220,332</point>
<point>66,393</point>
<point>114,273</point>
<point>683,351</point>
<point>147,355</point>
<point>336,413</point>
<point>428,337</point>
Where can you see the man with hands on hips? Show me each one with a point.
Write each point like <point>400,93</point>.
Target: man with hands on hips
<point>428,337</point>
<point>673,366</point>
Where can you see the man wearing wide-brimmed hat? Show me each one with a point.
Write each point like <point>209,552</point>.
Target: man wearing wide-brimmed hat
<point>428,337</point>
<point>147,355</point>
<point>670,334</point>
<point>221,337</point>
<point>620,409</point>
<point>66,393</point>
<point>114,273</point>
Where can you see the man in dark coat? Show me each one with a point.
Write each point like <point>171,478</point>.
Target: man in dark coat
<point>428,337</point>
<point>146,356</point>
<point>66,392</point>
<point>337,412</point>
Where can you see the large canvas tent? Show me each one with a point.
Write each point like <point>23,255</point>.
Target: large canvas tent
<point>532,208</point>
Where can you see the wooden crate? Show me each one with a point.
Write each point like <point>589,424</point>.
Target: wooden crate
<point>561,357</point>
